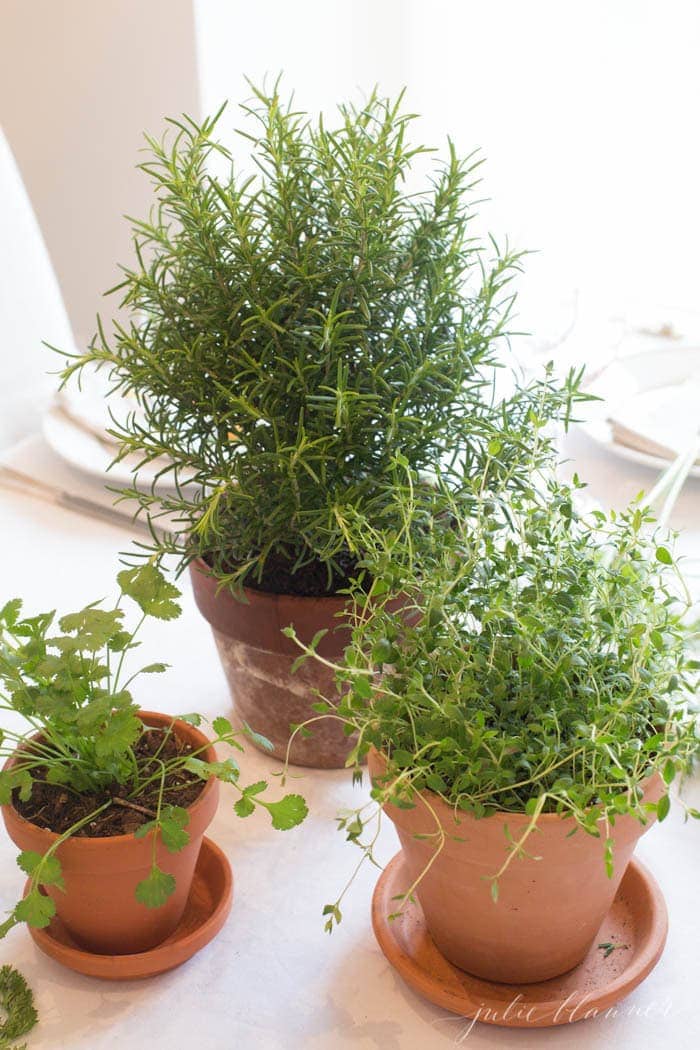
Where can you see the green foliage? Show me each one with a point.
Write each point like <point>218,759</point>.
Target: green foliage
<point>36,909</point>
<point>154,595</point>
<point>299,333</point>
<point>288,812</point>
<point>154,890</point>
<point>538,663</point>
<point>17,1004</point>
<point>83,731</point>
<point>51,874</point>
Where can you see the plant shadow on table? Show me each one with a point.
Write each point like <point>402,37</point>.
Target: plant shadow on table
<point>336,1020</point>
<point>78,1008</point>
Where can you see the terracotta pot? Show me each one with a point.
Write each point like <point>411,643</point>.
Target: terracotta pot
<point>99,908</point>
<point>548,911</point>
<point>257,659</point>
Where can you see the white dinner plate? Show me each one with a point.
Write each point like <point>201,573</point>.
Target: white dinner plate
<point>86,452</point>
<point>655,370</point>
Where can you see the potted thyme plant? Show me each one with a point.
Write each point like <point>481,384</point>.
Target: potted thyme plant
<point>295,333</point>
<point>524,727</point>
<point>107,803</point>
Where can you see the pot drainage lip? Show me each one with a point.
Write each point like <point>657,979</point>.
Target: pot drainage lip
<point>602,979</point>
<point>206,911</point>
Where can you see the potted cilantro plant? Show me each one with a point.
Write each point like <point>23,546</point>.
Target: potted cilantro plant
<point>296,332</point>
<point>107,803</point>
<point>525,722</point>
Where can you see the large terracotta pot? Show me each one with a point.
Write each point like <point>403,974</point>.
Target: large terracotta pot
<point>257,659</point>
<point>99,908</point>
<point>548,910</point>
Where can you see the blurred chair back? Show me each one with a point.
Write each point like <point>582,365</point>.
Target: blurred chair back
<point>31,309</point>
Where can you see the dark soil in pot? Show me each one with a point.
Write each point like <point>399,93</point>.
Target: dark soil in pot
<point>52,806</point>
<point>315,579</point>
<point>99,907</point>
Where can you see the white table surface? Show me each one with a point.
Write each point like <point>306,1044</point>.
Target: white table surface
<point>273,980</point>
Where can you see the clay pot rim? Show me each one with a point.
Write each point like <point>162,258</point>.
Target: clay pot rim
<point>270,598</point>
<point>499,816</point>
<point>97,842</point>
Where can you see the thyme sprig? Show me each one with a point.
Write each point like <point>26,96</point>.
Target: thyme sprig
<point>538,663</point>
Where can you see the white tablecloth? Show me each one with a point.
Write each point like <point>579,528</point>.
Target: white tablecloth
<point>273,980</point>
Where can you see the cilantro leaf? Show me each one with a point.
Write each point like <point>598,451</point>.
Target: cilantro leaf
<point>50,868</point>
<point>244,806</point>
<point>192,719</point>
<point>36,910</point>
<point>222,726</point>
<point>148,587</point>
<point>119,733</point>
<point>93,629</point>
<point>145,829</point>
<point>288,812</point>
<point>173,821</point>
<point>154,890</point>
<point>9,614</point>
<point>228,771</point>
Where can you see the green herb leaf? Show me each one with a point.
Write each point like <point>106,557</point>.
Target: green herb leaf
<point>50,873</point>
<point>17,1005</point>
<point>118,734</point>
<point>154,890</point>
<point>35,909</point>
<point>9,614</point>
<point>192,719</point>
<point>173,821</point>
<point>227,771</point>
<point>222,726</point>
<point>669,771</point>
<point>288,812</point>
<point>244,806</point>
<point>148,587</point>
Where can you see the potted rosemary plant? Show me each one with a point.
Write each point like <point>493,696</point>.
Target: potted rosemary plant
<point>107,803</point>
<point>522,729</point>
<point>294,334</point>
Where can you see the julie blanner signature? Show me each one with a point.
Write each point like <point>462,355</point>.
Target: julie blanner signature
<point>576,1007</point>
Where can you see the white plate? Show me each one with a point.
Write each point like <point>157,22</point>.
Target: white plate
<point>84,451</point>
<point>652,370</point>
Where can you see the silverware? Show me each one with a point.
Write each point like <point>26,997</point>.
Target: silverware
<point>28,486</point>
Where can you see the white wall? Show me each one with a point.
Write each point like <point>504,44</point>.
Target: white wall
<point>326,49</point>
<point>79,82</point>
<point>586,112</point>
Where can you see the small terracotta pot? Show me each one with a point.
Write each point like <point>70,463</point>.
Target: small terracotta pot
<point>257,659</point>
<point>99,908</point>
<point>548,910</point>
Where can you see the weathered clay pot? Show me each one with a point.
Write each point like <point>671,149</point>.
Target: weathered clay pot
<point>548,910</point>
<point>99,908</point>
<point>257,659</point>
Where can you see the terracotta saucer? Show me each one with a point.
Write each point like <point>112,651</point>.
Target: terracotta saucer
<point>207,909</point>
<point>637,920</point>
